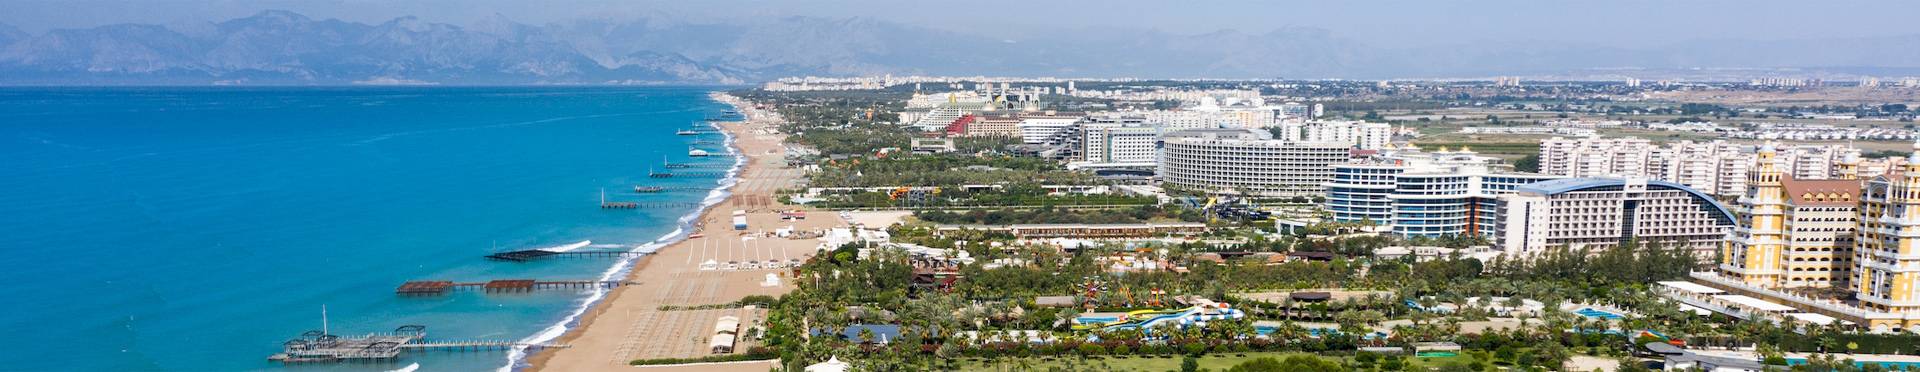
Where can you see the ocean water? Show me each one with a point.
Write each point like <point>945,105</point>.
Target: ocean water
<point>195,229</point>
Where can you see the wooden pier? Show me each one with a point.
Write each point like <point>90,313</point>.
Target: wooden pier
<point>701,166</point>
<point>535,254</point>
<point>478,345</point>
<point>442,287</point>
<point>654,189</point>
<point>320,347</point>
<point>686,174</point>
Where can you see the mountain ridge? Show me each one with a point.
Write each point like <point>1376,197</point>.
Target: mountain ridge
<point>276,47</point>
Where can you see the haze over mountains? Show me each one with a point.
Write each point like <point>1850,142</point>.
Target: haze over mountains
<point>278,47</point>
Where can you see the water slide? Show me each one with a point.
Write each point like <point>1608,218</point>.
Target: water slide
<point>1148,319</point>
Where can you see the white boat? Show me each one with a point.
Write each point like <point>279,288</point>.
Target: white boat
<point>696,152</point>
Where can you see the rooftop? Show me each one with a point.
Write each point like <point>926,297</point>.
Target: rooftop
<point>1821,193</point>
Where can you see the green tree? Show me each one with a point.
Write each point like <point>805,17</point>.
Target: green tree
<point>1530,163</point>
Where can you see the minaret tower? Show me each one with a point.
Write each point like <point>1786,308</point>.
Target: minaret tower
<point>1753,255</point>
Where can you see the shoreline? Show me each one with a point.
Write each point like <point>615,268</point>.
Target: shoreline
<point>582,317</point>
<point>652,275</point>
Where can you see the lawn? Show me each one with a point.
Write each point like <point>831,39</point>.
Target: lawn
<point>1216,362</point>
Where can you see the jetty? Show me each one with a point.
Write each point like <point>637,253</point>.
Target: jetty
<point>442,287</point>
<point>654,189</point>
<point>535,254</point>
<point>609,204</point>
<point>318,346</point>
<point>701,166</point>
<point>685,174</point>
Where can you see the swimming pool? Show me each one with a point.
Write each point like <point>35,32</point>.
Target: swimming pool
<point>1595,313</point>
<point>1096,319</point>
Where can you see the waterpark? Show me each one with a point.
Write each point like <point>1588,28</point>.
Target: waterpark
<point>1199,314</point>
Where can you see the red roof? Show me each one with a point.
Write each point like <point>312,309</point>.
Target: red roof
<point>960,125</point>
<point>1826,193</point>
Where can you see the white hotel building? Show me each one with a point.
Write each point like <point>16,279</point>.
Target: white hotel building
<point>1716,167</point>
<point>1597,213</point>
<point>1247,162</point>
<point>1417,193</point>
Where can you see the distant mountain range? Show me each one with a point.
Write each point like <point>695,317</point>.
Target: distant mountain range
<point>279,48</point>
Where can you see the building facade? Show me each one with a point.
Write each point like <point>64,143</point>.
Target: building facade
<point>1358,134</point>
<point>1423,194</point>
<point>1716,167</point>
<point>1887,258</point>
<point>1246,162</point>
<point>1035,129</point>
<point>1599,213</point>
<point>1792,233</point>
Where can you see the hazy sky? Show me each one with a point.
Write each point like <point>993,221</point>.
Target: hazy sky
<point>1380,23</point>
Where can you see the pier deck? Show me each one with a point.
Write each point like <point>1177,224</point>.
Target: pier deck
<point>320,347</point>
<point>686,174</point>
<point>442,287</point>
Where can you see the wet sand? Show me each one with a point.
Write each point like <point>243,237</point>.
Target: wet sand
<point>630,324</point>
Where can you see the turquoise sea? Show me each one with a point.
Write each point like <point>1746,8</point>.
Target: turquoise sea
<point>196,229</point>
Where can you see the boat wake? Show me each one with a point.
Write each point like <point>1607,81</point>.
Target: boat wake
<point>568,247</point>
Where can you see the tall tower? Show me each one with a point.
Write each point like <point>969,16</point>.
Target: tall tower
<point>1753,255</point>
<point>1887,262</point>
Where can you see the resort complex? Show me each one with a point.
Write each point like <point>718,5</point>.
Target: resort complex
<point>991,228</point>
<point>1066,186</point>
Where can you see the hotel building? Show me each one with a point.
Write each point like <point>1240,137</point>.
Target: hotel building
<point>1246,162</point>
<point>1793,233</point>
<point>1417,193</point>
<point>1860,236</point>
<point>1359,134</point>
<point>1599,213</point>
<point>1886,262</point>
<point>1035,129</point>
<point>1716,167</point>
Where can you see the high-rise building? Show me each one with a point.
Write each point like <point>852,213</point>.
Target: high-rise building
<point>1792,232</point>
<point>1246,162</point>
<point>1117,140</point>
<point>1413,193</point>
<point>1035,129</point>
<point>1886,261</point>
<point>1716,167</point>
<point>1862,237</point>
<point>1599,213</point>
<point>1358,134</point>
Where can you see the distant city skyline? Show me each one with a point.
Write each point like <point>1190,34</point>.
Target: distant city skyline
<point>1629,23</point>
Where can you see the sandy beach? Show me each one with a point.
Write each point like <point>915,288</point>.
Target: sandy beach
<point>630,324</point>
